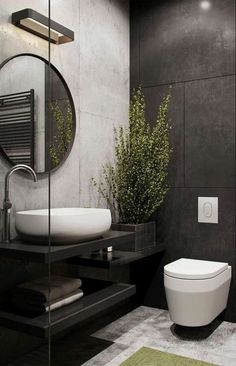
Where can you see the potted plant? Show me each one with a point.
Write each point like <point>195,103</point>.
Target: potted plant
<point>135,185</point>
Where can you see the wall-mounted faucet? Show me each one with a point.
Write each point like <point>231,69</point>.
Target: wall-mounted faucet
<point>7,204</point>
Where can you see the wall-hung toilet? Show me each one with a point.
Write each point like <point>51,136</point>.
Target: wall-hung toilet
<point>196,290</point>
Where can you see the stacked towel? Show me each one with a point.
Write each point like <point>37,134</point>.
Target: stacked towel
<point>38,296</point>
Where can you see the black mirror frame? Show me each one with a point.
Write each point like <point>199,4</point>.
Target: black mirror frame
<point>71,104</point>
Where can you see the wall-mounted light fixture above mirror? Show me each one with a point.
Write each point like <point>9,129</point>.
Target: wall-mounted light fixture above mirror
<point>37,114</point>
<point>38,24</point>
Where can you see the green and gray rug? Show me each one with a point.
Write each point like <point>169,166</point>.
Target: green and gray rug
<point>151,357</point>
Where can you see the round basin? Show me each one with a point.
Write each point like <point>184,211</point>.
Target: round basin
<point>68,225</point>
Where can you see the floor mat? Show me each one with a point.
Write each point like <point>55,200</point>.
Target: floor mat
<point>150,357</point>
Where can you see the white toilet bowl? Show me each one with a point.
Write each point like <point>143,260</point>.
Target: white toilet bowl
<point>196,290</point>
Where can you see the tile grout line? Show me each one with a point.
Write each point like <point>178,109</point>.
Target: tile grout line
<point>202,187</point>
<point>139,54</point>
<point>184,149</point>
<point>187,81</point>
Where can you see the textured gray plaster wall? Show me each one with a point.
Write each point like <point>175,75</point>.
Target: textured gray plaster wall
<point>96,69</point>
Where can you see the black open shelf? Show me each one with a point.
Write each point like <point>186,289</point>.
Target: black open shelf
<point>116,257</point>
<point>105,296</point>
<point>40,253</point>
<point>98,297</point>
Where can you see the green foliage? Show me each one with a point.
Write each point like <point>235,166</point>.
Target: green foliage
<point>136,185</point>
<point>64,132</point>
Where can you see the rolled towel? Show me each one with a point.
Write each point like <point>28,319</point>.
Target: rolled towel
<point>43,290</point>
<point>40,308</point>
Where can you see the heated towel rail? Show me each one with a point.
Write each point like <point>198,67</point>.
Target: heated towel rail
<point>17,127</point>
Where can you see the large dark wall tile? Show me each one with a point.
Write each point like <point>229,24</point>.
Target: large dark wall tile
<point>180,41</point>
<point>210,132</point>
<point>178,225</point>
<point>153,97</point>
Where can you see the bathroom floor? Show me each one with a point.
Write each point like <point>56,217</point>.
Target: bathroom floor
<point>143,326</point>
<point>151,327</point>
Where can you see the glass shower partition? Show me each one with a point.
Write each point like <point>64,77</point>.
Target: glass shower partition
<point>63,96</point>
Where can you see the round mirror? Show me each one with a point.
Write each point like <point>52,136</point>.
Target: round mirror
<point>37,115</point>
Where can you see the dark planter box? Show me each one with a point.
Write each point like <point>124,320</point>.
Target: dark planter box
<point>145,235</point>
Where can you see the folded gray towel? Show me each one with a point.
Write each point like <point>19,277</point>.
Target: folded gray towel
<point>42,290</point>
<point>39,308</point>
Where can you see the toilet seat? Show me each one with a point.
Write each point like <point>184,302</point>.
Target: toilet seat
<point>194,269</point>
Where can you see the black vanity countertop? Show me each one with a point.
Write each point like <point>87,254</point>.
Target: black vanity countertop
<point>41,253</point>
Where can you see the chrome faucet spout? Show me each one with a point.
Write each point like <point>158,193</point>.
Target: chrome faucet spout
<point>7,204</point>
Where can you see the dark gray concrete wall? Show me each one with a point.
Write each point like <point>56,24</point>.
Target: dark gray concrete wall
<point>178,43</point>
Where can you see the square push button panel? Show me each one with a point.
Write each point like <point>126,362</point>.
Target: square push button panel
<point>208,210</point>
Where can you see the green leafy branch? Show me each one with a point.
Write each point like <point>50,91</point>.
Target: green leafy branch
<point>136,184</point>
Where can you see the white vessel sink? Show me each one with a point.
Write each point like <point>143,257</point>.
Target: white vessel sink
<point>68,225</point>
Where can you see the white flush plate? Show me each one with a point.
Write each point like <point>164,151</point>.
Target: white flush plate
<point>208,210</point>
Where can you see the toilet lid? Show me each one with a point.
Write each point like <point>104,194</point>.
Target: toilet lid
<point>194,269</point>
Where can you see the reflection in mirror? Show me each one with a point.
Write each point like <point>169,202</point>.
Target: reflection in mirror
<point>35,103</point>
